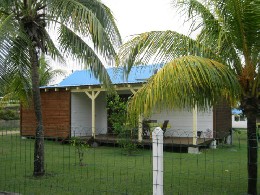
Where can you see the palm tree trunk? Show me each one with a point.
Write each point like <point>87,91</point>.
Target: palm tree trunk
<point>252,146</point>
<point>39,134</point>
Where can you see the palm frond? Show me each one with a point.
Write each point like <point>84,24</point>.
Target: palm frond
<point>46,73</point>
<point>5,6</point>
<point>17,58</point>
<point>161,47</point>
<point>7,30</point>
<point>214,31</point>
<point>106,18</point>
<point>81,19</point>
<point>184,83</point>
<point>198,14</point>
<point>16,84</point>
<point>15,69</point>
<point>242,19</point>
<point>74,46</point>
<point>230,26</point>
<point>52,49</point>
<point>6,25</point>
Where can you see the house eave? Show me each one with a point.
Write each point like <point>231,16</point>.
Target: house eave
<point>84,88</point>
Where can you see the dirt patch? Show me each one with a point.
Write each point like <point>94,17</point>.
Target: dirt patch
<point>8,133</point>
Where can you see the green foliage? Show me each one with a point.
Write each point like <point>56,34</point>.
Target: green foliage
<point>126,140</point>
<point>116,107</point>
<point>117,117</point>
<point>80,147</point>
<point>17,86</point>
<point>9,114</point>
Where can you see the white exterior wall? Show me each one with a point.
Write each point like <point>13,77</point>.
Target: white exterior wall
<point>81,114</point>
<point>181,122</point>
<point>101,114</point>
<point>205,124</point>
<point>238,124</point>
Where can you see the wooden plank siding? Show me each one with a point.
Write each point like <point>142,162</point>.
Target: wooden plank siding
<point>56,115</point>
<point>222,122</point>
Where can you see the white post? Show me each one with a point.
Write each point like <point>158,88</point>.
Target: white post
<point>195,125</point>
<point>93,117</point>
<point>93,96</point>
<point>157,161</point>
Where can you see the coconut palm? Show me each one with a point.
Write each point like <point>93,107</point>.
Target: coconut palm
<point>24,36</point>
<point>222,62</point>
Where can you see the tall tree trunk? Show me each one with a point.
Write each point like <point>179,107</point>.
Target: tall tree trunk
<point>250,108</point>
<point>39,134</point>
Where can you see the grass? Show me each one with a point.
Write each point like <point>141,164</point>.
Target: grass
<point>107,171</point>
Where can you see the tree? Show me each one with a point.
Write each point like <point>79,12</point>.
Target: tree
<point>223,61</point>
<point>18,86</point>
<point>24,36</point>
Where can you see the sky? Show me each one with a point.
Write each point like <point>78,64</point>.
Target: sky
<point>137,16</point>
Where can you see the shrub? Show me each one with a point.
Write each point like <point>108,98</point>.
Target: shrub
<point>8,114</point>
<point>126,139</point>
<point>117,117</point>
<point>116,107</point>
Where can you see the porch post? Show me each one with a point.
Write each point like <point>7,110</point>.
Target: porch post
<point>93,96</point>
<point>195,125</point>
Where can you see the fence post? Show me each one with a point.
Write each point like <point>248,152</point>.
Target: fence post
<point>157,161</point>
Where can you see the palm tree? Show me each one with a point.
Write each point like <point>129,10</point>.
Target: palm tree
<point>24,36</point>
<point>223,61</point>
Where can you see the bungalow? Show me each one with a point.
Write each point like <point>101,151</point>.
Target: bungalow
<point>77,107</point>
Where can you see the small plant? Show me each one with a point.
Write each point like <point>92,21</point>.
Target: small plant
<point>126,140</point>
<point>80,147</point>
<point>238,134</point>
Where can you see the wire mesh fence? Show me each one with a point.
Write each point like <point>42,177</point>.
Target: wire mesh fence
<point>115,165</point>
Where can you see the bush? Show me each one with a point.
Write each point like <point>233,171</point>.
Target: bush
<point>8,114</point>
<point>117,117</point>
<point>116,107</point>
<point>126,140</point>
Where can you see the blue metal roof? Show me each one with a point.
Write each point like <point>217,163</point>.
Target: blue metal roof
<point>138,74</point>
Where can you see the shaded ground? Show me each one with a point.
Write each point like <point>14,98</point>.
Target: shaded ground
<point>8,193</point>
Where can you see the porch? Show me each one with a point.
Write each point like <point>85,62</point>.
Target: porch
<point>110,139</point>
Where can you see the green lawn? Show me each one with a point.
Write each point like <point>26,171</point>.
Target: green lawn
<point>107,171</point>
